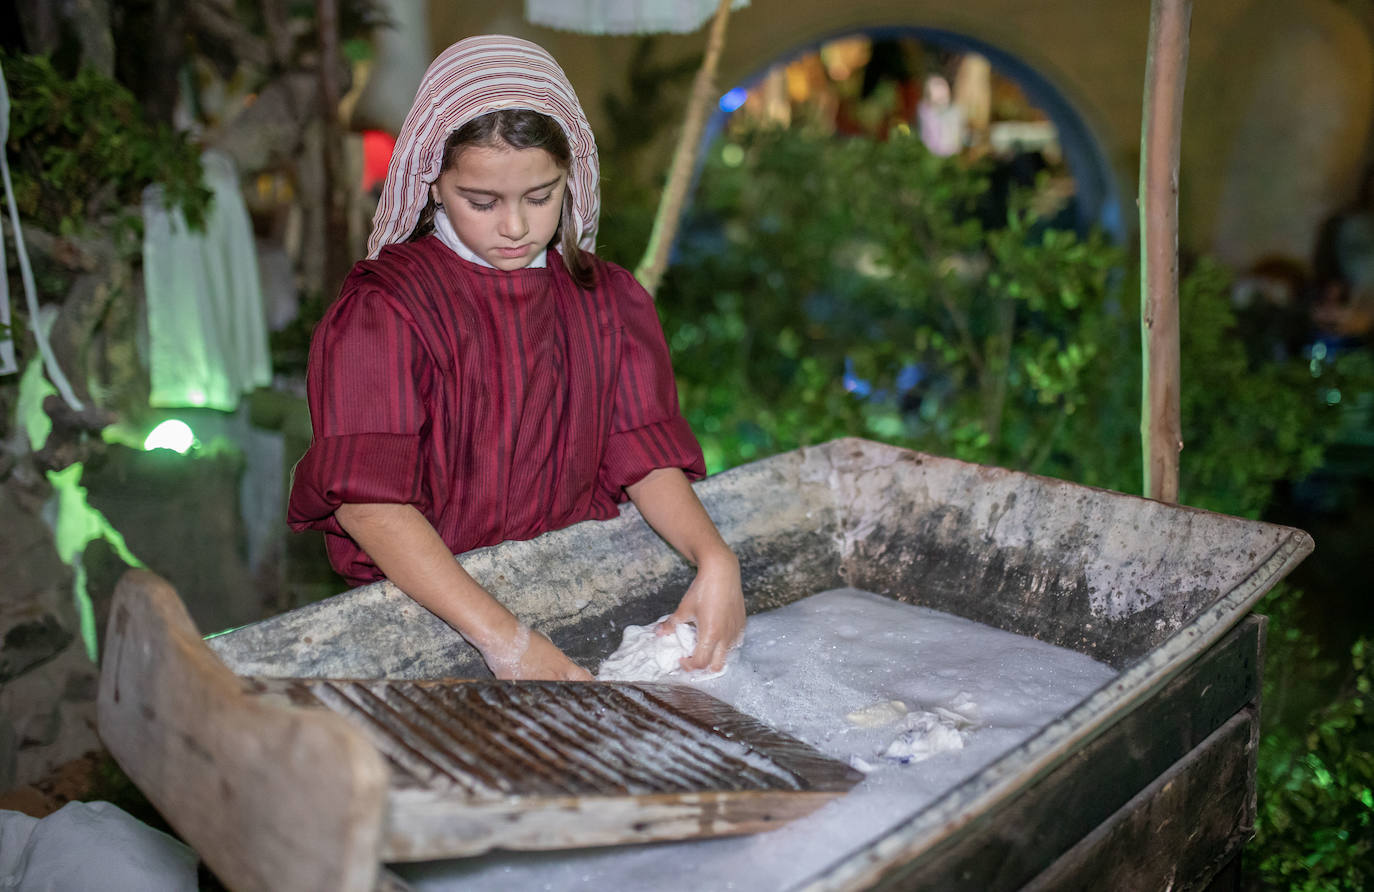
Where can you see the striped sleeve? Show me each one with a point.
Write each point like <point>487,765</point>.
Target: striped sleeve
<point>367,377</point>
<point>647,428</point>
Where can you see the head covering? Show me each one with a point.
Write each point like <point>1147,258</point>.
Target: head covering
<point>469,79</point>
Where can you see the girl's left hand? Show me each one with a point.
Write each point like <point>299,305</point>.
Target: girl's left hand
<point>715,602</point>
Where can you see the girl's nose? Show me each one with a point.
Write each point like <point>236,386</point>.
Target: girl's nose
<point>513,224</point>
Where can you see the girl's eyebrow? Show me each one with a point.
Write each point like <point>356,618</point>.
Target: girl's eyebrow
<point>474,191</point>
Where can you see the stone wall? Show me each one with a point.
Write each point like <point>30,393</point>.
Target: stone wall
<point>47,682</point>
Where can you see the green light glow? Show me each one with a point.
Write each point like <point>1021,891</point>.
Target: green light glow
<point>29,414</point>
<point>170,434</point>
<point>78,524</point>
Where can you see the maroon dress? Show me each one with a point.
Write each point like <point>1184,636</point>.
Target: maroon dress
<point>500,404</point>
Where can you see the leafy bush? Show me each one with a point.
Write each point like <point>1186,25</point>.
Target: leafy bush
<point>828,287</point>
<point>83,149</point>
<point>1315,827</point>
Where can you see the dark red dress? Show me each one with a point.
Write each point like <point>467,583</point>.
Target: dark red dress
<point>500,404</point>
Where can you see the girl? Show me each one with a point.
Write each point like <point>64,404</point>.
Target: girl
<point>484,377</point>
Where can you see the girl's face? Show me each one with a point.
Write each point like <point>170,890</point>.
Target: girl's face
<point>504,203</point>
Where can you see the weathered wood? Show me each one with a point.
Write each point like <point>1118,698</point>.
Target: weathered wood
<point>1160,136</point>
<point>273,797</point>
<point>1177,833</point>
<point>478,765</point>
<point>1008,844</point>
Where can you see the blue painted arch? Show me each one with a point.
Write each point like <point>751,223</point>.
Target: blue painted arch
<point>1096,198</point>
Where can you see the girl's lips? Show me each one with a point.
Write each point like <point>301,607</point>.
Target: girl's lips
<point>513,252</point>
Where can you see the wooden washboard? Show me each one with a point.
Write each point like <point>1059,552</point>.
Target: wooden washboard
<point>288,784</point>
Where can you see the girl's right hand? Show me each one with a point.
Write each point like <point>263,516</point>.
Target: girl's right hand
<point>530,656</point>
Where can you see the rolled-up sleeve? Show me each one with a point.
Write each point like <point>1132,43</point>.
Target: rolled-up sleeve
<point>366,380</point>
<point>647,428</point>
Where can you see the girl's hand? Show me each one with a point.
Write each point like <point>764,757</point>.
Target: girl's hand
<point>715,602</point>
<point>528,655</point>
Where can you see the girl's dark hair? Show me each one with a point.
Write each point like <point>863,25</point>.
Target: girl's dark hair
<point>519,128</point>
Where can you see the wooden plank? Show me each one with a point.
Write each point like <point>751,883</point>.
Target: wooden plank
<point>1179,832</point>
<point>482,764</point>
<point>1161,128</point>
<point>1008,845</point>
<point>273,797</point>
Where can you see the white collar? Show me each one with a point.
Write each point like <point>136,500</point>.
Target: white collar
<point>444,230</point>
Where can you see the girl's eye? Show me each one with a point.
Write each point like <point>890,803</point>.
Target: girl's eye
<point>541,200</point>
<point>482,207</point>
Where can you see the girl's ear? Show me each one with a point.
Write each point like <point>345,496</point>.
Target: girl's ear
<point>434,194</point>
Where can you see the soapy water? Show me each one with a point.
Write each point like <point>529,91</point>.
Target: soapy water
<point>917,699</point>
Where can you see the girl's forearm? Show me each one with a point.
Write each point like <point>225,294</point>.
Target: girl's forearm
<point>407,548</point>
<point>668,503</point>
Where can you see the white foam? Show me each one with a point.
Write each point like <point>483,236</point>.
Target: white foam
<point>805,669</point>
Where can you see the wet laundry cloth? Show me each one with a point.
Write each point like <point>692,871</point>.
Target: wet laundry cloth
<point>645,655</point>
<point>91,845</point>
<point>207,332</point>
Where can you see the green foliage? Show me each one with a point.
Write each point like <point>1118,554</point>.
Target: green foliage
<point>83,149</point>
<point>847,287</point>
<point>1315,827</point>
<point>831,287</point>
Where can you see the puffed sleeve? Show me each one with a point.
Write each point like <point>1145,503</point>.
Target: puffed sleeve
<point>366,381</point>
<point>647,428</point>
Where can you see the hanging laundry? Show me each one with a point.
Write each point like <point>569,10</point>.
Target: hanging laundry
<point>207,334</point>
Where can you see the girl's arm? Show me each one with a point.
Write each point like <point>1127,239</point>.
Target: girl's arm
<point>410,552</point>
<point>715,599</point>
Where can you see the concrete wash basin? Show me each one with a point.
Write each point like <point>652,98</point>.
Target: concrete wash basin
<point>1149,780</point>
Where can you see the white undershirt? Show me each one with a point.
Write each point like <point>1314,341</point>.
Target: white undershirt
<point>444,230</point>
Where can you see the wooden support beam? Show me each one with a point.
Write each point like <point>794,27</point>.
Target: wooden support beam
<point>650,270</point>
<point>1160,137</point>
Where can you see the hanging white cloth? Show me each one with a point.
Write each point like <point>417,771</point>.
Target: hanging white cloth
<point>624,16</point>
<point>8,364</point>
<point>207,334</point>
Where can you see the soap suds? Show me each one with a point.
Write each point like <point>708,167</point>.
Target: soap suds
<point>503,658</point>
<point>806,668</point>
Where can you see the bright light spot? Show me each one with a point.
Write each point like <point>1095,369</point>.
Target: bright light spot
<point>1333,396</point>
<point>732,155</point>
<point>733,100</point>
<point>170,434</point>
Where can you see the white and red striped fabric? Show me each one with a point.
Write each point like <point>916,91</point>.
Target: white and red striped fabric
<point>469,79</point>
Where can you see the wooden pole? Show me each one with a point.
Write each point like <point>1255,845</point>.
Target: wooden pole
<point>1165,65</point>
<point>649,272</point>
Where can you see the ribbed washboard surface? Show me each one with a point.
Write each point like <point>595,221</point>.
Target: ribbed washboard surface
<point>485,764</point>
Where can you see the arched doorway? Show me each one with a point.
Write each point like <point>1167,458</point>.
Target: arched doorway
<point>1022,119</point>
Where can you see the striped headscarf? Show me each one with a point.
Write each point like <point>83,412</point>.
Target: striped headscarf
<point>469,79</point>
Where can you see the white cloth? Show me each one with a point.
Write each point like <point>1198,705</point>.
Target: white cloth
<point>207,331</point>
<point>644,655</point>
<point>469,79</point>
<point>624,16</point>
<point>449,236</point>
<point>91,845</point>
<point>925,734</point>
